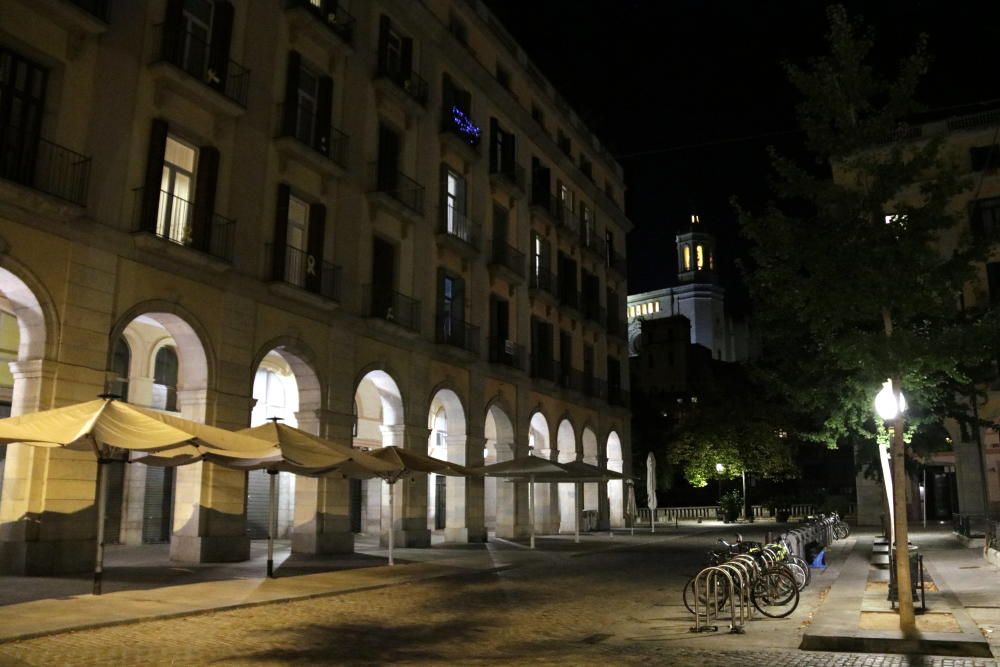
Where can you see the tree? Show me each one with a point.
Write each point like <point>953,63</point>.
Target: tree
<point>859,267</point>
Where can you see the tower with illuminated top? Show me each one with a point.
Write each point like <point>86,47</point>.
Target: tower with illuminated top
<point>695,254</point>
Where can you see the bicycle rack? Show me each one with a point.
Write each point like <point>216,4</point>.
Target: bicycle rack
<point>712,577</point>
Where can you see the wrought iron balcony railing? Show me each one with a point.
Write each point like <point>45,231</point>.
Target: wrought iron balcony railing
<point>400,187</point>
<point>457,333</point>
<point>300,269</point>
<point>512,173</point>
<point>506,352</point>
<point>410,82</point>
<point>44,166</point>
<point>192,54</point>
<point>454,223</point>
<point>457,122</point>
<point>173,220</point>
<point>336,18</point>
<point>303,126</point>
<point>543,367</point>
<point>544,281</point>
<point>504,254</point>
<point>386,304</point>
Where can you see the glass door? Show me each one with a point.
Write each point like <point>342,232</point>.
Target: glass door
<point>173,220</point>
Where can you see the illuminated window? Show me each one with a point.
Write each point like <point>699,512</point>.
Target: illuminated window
<point>699,257</point>
<point>711,261</point>
<point>687,258</point>
<point>656,307</point>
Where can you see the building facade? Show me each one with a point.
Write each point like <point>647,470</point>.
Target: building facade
<point>697,297</point>
<point>374,219</point>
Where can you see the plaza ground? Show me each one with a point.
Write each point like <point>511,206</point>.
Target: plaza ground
<point>605,601</point>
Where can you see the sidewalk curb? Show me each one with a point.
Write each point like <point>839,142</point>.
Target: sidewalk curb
<point>459,573</point>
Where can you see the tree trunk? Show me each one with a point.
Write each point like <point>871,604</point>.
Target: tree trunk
<point>904,589</point>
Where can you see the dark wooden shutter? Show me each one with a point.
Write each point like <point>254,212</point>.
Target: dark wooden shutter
<point>441,326</point>
<point>206,184</point>
<point>173,38</point>
<point>154,175</point>
<point>324,115</point>
<point>508,152</point>
<point>384,26</point>
<point>278,248</point>
<point>291,105</point>
<point>406,57</point>
<point>222,37</point>
<point>448,94</point>
<point>541,183</point>
<point>495,155</point>
<point>314,245</point>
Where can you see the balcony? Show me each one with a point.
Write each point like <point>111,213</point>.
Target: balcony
<point>327,24</point>
<point>569,298</point>
<point>507,261</point>
<point>567,224</point>
<point>44,166</point>
<point>396,191</point>
<point>616,263</point>
<point>383,303</point>
<point>172,219</point>
<point>593,387</point>
<point>508,177</point>
<point>543,367</point>
<point>546,204</point>
<point>569,377</point>
<point>408,88</point>
<point>298,269</point>
<point>300,138</point>
<point>460,133</point>
<point>454,332</point>
<point>542,284</point>
<point>185,63</point>
<point>458,232</point>
<point>506,353</point>
<point>592,243</point>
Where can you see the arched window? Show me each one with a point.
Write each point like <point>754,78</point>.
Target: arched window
<point>121,362</point>
<point>165,379</point>
<point>699,252</point>
<point>687,258</point>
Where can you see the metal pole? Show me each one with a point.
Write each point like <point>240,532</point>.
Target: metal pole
<point>577,505</point>
<point>904,589</point>
<point>392,519</point>
<point>923,497</point>
<point>531,508</point>
<point>272,519</point>
<point>102,502</point>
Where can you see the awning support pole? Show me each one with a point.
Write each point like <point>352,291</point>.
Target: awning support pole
<point>102,506</point>
<point>577,505</point>
<point>392,519</point>
<point>531,508</point>
<point>272,519</point>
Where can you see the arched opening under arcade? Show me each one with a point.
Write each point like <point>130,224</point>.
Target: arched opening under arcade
<point>566,445</point>
<point>447,441</point>
<point>378,422</point>
<point>498,495</point>
<point>616,488</point>
<point>591,490</point>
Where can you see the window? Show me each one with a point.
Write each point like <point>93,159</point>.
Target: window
<point>586,166</point>
<point>538,115</point>
<point>296,241</point>
<point>687,258</point>
<point>503,150</point>
<point>173,219</point>
<point>165,370</point>
<point>565,144</point>
<point>454,200</point>
<point>699,257</point>
<point>197,24</point>
<point>503,76</point>
<point>458,29</point>
<point>307,105</point>
<point>393,54</point>
<point>565,200</point>
<point>587,225</point>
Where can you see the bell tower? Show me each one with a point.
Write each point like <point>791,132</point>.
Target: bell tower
<point>695,254</point>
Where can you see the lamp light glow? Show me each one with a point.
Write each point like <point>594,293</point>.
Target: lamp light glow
<point>885,402</point>
<point>719,467</point>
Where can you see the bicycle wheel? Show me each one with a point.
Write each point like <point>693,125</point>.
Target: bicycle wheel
<point>797,573</point>
<point>705,600</point>
<point>801,562</point>
<point>774,593</point>
<point>841,530</point>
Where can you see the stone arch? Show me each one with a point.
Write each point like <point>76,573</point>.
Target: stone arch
<point>566,444</point>
<point>447,440</point>
<point>616,488</point>
<point>499,497</point>
<point>539,434</point>
<point>32,305</point>
<point>302,363</point>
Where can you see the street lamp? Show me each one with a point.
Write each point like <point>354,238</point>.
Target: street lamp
<point>890,406</point>
<point>718,470</point>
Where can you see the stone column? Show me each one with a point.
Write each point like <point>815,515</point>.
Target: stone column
<point>209,522</point>
<point>47,511</point>
<point>411,495</point>
<point>322,523</point>
<point>133,504</point>
<point>465,497</point>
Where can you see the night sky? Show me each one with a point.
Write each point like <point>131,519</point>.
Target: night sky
<point>688,94</point>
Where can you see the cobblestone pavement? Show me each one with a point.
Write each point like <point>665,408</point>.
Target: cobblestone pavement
<point>614,607</point>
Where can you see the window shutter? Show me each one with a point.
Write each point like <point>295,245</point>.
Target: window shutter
<point>441,327</point>
<point>383,42</point>
<point>222,37</point>
<point>172,27</point>
<point>278,247</point>
<point>314,248</point>
<point>291,107</point>
<point>508,152</point>
<point>494,154</point>
<point>204,203</point>
<point>324,115</point>
<point>154,175</point>
<point>447,94</point>
<point>406,57</point>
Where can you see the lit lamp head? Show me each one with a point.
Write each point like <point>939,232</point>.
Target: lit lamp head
<point>719,468</point>
<point>885,402</point>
